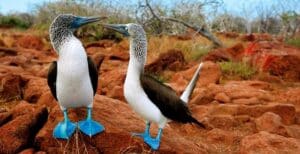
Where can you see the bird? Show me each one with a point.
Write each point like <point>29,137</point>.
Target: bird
<point>151,99</point>
<point>73,78</point>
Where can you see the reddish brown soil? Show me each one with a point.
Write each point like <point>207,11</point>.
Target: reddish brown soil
<point>253,116</point>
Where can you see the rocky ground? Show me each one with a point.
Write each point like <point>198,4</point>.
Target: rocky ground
<point>261,115</point>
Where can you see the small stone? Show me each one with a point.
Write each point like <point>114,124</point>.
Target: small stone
<point>270,122</point>
<point>222,97</point>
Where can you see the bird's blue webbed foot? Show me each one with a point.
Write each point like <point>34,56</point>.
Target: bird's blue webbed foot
<point>64,129</point>
<point>152,142</point>
<point>89,126</point>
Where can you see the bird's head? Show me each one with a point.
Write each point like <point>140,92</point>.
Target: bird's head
<point>130,30</point>
<point>137,35</point>
<point>72,22</point>
<point>64,25</point>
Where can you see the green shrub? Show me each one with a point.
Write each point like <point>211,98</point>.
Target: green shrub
<point>15,21</point>
<point>294,42</point>
<point>193,51</point>
<point>240,69</point>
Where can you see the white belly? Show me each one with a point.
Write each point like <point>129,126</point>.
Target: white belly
<point>74,90</point>
<point>73,84</point>
<point>140,103</point>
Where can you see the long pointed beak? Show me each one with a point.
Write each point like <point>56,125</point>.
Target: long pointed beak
<point>121,28</point>
<point>87,20</point>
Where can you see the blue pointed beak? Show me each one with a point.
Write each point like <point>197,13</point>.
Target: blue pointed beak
<point>80,21</point>
<point>121,28</point>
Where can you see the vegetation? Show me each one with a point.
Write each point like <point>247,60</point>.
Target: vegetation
<point>294,42</point>
<point>203,13</point>
<point>22,21</point>
<point>240,69</point>
<point>193,51</point>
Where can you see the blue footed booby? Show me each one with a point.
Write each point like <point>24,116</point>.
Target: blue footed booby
<point>73,77</point>
<point>151,99</point>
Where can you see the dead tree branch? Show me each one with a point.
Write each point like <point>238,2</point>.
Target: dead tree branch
<point>202,30</point>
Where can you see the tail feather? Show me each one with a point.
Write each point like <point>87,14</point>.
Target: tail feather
<point>189,89</point>
<point>197,122</point>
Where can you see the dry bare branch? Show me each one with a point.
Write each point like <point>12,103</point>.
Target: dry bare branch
<point>202,30</point>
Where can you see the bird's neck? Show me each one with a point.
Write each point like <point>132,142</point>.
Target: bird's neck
<point>138,56</point>
<point>72,50</point>
<point>59,36</point>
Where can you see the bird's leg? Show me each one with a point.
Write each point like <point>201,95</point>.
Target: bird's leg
<point>64,129</point>
<point>89,126</point>
<point>154,142</point>
<point>146,133</point>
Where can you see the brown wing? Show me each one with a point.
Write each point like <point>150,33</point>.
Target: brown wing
<point>51,78</point>
<point>93,72</point>
<point>166,99</point>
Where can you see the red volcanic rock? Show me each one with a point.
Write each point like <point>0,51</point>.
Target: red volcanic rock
<point>247,101</point>
<point>19,133</point>
<point>10,87</point>
<point>119,121</point>
<point>203,97</point>
<point>220,136</point>
<point>8,41</point>
<point>293,131</point>
<point>110,79</point>
<point>118,55</point>
<point>275,58</point>
<point>5,117</point>
<point>1,43</point>
<point>222,97</point>
<point>256,37</point>
<point>217,55</point>
<point>22,108</point>
<point>234,53</point>
<point>30,42</point>
<point>28,151</point>
<point>48,100</point>
<point>289,95</point>
<point>101,43</point>
<point>221,141</point>
<point>4,69</point>
<point>285,111</point>
<point>247,89</point>
<point>267,56</point>
<point>43,72</point>
<point>116,93</point>
<point>98,59</point>
<point>239,92</point>
<point>222,121</point>
<point>285,66</point>
<point>18,60</point>
<point>264,142</point>
<point>2,109</point>
<point>270,122</point>
<point>34,88</point>
<point>209,73</point>
<point>178,82</point>
<point>248,37</point>
<point>171,60</point>
<point>240,116</point>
